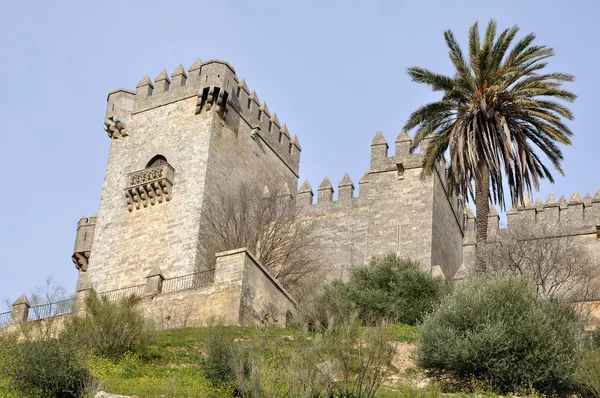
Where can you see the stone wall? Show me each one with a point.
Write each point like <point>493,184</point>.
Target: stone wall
<point>396,211</point>
<point>128,244</point>
<point>241,293</point>
<point>212,132</point>
<point>575,217</point>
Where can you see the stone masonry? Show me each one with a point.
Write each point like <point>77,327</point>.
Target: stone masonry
<point>209,130</point>
<point>178,140</point>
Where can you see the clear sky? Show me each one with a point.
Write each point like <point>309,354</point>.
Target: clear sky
<point>334,71</point>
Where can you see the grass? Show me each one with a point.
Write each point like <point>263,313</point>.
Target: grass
<point>171,368</point>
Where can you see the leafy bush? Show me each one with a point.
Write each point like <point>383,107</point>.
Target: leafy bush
<point>499,332</point>
<point>111,328</point>
<point>44,368</point>
<point>387,288</point>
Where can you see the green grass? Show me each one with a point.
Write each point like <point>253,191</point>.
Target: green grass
<point>404,333</point>
<point>172,365</point>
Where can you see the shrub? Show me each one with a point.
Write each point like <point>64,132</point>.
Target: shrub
<point>343,360</point>
<point>225,362</point>
<point>588,373</point>
<point>44,368</point>
<point>111,328</point>
<point>595,338</point>
<point>497,331</point>
<point>387,288</point>
<point>218,359</point>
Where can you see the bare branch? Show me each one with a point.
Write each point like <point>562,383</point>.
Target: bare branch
<point>265,222</point>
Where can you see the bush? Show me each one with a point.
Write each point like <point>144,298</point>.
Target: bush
<point>588,373</point>
<point>225,362</point>
<point>44,368</point>
<point>595,338</point>
<point>217,363</point>
<point>497,331</point>
<point>111,329</point>
<point>343,360</point>
<point>388,288</point>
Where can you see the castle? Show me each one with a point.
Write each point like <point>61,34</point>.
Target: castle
<point>177,140</point>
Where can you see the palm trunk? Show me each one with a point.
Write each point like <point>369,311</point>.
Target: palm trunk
<point>482,207</point>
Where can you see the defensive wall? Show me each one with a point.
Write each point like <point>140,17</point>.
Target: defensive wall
<point>238,291</point>
<point>575,217</point>
<point>397,210</point>
<point>179,141</point>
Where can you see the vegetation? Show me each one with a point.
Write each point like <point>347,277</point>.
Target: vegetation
<point>110,328</point>
<point>43,369</point>
<point>495,110</point>
<point>388,288</point>
<point>596,338</point>
<point>588,373</point>
<point>558,265</point>
<point>491,334</point>
<point>498,331</point>
<point>264,221</point>
<point>263,362</point>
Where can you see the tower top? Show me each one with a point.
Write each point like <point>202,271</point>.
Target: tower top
<point>216,87</point>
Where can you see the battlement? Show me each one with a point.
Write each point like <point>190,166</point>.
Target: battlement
<point>325,191</point>
<point>402,158</point>
<point>575,215</point>
<point>216,87</point>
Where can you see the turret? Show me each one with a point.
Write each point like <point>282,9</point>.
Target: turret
<point>144,88</point>
<point>403,143</point>
<point>83,242</point>
<point>493,221</point>
<point>178,77</point>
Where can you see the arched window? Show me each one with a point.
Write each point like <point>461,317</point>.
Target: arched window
<point>157,161</point>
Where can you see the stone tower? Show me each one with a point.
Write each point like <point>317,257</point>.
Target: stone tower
<point>174,141</point>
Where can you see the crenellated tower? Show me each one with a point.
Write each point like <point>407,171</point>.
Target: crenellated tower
<point>177,141</point>
<point>174,141</point>
<point>396,210</point>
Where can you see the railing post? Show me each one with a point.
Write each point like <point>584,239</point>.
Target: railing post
<point>20,310</point>
<point>154,282</point>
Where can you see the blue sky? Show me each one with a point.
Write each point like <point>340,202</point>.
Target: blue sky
<point>334,71</point>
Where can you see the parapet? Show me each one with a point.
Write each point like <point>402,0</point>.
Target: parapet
<point>402,159</point>
<point>83,242</point>
<point>345,188</point>
<point>575,215</point>
<point>217,88</point>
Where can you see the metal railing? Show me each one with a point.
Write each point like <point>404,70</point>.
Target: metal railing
<point>4,319</point>
<point>117,294</point>
<point>188,281</point>
<point>49,310</point>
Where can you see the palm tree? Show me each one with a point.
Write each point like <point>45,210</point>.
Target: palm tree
<point>497,115</point>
